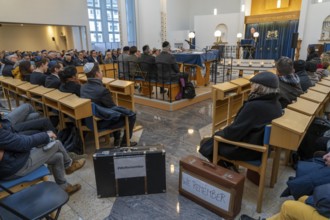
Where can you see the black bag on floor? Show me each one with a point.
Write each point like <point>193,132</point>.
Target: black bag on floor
<point>71,140</point>
<point>189,91</point>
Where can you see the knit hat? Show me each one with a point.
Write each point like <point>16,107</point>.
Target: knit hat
<point>52,63</point>
<point>267,79</point>
<point>165,44</point>
<point>88,67</point>
<point>299,65</point>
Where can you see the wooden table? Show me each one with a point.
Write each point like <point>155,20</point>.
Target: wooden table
<point>5,88</point>
<point>304,106</point>
<point>320,88</point>
<point>22,90</point>
<point>76,108</point>
<point>287,133</point>
<point>123,93</point>
<point>11,87</point>
<point>51,100</point>
<point>222,96</point>
<point>314,96</point>
<point>324,83</point>
<point>36,95</point>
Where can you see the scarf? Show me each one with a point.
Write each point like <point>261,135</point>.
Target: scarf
<point>291,79</point>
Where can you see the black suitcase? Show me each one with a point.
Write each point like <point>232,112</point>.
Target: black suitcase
<point>129,171</point>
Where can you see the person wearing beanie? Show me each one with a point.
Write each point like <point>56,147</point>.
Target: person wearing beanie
<point>300,70</point>
<point>259,110</point>
<point>102,97</point>
<point>290,87</point>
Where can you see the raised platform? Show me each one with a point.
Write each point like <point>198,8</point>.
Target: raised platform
<point>202,93</point>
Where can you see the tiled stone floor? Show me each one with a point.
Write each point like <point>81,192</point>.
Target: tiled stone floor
<point>180,133</point>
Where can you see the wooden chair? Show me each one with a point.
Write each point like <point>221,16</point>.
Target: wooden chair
<point>258,166</point>
<point>111,70</point>
<point>104,132</point>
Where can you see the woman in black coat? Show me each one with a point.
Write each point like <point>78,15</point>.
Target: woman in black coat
<point>70,82</point>
<point>259,110</point>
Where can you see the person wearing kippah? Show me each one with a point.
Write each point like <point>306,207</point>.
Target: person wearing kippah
<point>101,96</point>
<point>261,107</point>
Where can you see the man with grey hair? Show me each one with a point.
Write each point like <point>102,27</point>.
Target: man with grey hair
<point>9,63</point>
<point>290,87</point>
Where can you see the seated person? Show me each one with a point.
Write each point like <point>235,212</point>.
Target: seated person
<point>68,60</point>
<point>53,80</point>
<point>9,63</point>
<point>300,210</point>
<point>170,72</point>
<point>132,59</point>
<point>101,96</point>
<point>147,63</point>
<point>80,61</point>
<point>25,120</point>
<point>311,68</point>
<point>69,80</point>
<point>289,85</point>
<point>108,57</point>
<point>300,70</point>
<point>38,76</point>
<point>21,154</point>
<point>259,110</point>
<point>25,69</point>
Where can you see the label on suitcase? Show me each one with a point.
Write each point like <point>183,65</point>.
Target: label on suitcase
<point>213,187</point>
<point>129,171</point>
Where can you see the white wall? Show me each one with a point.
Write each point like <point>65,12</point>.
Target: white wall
<point>59,12</point>
<point>205,27</point>
<point>35,37</point>
<point>312,27</point>
<point>149,25</point>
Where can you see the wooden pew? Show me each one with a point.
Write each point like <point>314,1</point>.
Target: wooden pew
<point>51,100</point>
<point>287,133</point>
<point>304,106</point>
<point>36,95</point>
<point>123,93</point>
<point>222,95</point>
<point>316,97</point>
<point>76,108</point>
<point>105,80</point>
<point>22,90</point>
<point>111,70</point>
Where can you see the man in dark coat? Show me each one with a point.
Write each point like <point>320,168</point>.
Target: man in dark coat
<point>290,87</point>
<point>100,95</point>
<point>53,80</point>
<point>167,68</point>
<point>147,63</point>
<point>300,70</point>
<point>9,63</point>
<point>38,76</point>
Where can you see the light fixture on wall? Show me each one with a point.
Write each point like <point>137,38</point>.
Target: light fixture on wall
<point>239,37</point>
<point>243,8</point>
<point>217,35</point>
<point>279,2</point>
<point>191,35</point>
<point>256,35</point>
<point>215,11</point>
<point>319,1</point>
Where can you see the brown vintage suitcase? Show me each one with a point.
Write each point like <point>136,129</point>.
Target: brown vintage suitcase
<point>216,188</point>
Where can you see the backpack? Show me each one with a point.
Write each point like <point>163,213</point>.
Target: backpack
<point>189,91</point>
<point>71,140</point>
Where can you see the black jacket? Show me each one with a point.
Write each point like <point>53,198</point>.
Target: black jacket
<point>147,64</point>
<point>95,91</point>
<point>288,93</point>
<point>9,66</point>
<point>78,62</point>
<point>52,81</point>
<point>17,150</point>
<point>249,125</point>
<point>38,78</point>
<point>70,87</point>
<point>169,72</point>
<point>305,82</point>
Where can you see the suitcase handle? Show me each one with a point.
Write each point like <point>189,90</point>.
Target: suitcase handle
<point>205,163</point>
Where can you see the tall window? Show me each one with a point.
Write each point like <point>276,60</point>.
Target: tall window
<point>104,24</point>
